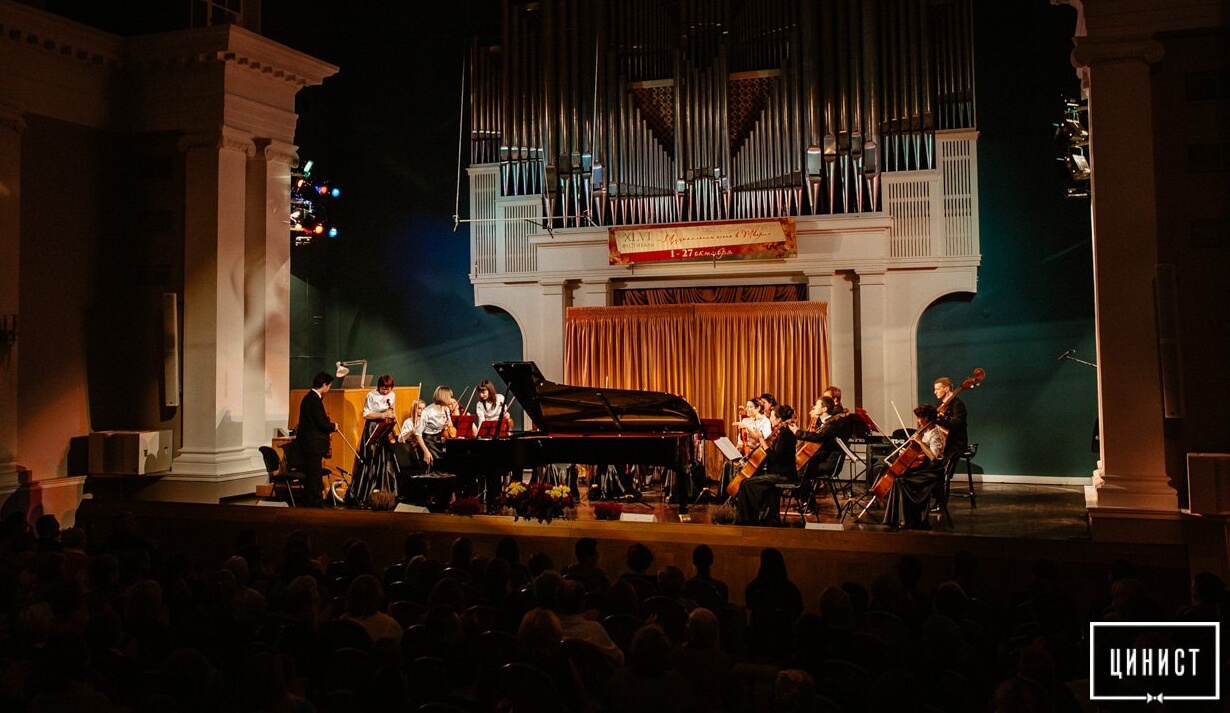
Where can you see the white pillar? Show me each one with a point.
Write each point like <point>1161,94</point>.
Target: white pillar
<point>1125,255</point>
<point>267,292</point>
<point>11,127</point>
<point>214,292</point>
<point>548,343</point>
<point>884,349</point>
<point>838,292</point>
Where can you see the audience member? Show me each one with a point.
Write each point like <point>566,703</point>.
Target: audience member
<point>649,683</point>
<point>773,603</point>
<point>702,560</point>
<point>586,567</point>
<point>364,603</point>
<point>574,625</point>
<point>702,662</point>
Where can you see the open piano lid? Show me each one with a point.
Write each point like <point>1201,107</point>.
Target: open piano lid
<point>559,408</point>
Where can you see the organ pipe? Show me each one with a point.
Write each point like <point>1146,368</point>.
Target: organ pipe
<point>633,111</point>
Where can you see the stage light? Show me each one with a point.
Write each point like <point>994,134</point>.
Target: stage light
<point>308,200</point>
<point>1072,142</point>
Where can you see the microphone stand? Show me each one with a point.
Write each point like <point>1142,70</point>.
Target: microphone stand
<point>1068,355</point>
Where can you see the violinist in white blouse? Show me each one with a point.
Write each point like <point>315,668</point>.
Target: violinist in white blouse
<point>488,406</point>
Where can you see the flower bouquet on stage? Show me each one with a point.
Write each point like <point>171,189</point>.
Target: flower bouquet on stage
<point>537,501</point>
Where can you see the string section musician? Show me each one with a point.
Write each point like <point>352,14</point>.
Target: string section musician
<point>489,407</point>
<point>379,467</point>
<point>914,484</point>
<point>955,421</point>
<point>436,424</point>
<point>829,422</point>
<point>757,502</point>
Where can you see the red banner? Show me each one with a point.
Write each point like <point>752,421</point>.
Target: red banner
<point>736,240</point>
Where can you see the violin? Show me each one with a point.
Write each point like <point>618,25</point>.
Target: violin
<point>752,463</point>
<point>913,454</point>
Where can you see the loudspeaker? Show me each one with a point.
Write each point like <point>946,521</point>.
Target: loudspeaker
<point>406,507</point>
<point>272,504</point>
<point>170,348</point>
<point>637,517</point>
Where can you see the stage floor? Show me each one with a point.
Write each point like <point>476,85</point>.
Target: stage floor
<point>998,510</point>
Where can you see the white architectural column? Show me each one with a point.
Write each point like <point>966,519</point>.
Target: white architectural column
<point>548,345</point>
<point>214,290</point>
<point>877,348</point>
<point>1125,253</point>
<point>838,292</point>
<point>266,375</point>
<point>11,127</point>
<point>593,293</point>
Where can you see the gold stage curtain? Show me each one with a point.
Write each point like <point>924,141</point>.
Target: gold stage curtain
<point>713,355</point>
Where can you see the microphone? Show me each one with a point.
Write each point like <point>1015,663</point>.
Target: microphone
<point>1067,353</point>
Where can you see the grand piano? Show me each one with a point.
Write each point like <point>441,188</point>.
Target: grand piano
<point>582,424</point>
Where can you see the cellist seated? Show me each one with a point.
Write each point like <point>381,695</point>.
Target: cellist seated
<point>756,501</point>
<point>919,472</point>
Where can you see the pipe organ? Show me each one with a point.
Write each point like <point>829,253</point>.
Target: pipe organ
<point>651,111</point>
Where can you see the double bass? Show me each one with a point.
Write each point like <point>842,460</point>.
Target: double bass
<point>752,463</point>
<point>912,454</point>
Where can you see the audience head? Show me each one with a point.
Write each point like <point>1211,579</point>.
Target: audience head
<point>1207,589</point>
<point>546,589</point>
<point>586,551</point>
<point>462,551</point>
<point>571,597</point>
<point>670,581</point>
<point>639,558</point>
<point>365,596</point>
<point>321,380</point>
<point>772,565</point>
<point>651,648</point>
<point>702,558</point>
<point>836,609</point>
<point>794,690</point>
<point>539,634</point>
<point>508,550</point>
<point>538,563</point>
<point>47,527</point>
<point>416,543</point>
<point>703,629</point>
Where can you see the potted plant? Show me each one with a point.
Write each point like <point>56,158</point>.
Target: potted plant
<point>608,510</point>
<point>536,501</point>
<point>468,507</point>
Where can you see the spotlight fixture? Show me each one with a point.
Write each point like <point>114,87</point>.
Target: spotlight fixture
<point>309,201</point>
<point>1072,143</point>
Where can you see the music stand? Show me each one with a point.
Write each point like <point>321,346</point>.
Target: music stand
<point>464,425</point>
<point>868,422</point>
<point>495,429</point>
<point>379,434</point>
<point>714,428</point>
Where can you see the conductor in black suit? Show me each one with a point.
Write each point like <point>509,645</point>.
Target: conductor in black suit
<point>312,435</point>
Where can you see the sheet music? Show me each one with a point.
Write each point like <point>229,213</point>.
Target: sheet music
<point>728,449</point>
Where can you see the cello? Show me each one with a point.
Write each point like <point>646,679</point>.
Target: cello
<point>752,463</point>
<point>913,454</point>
